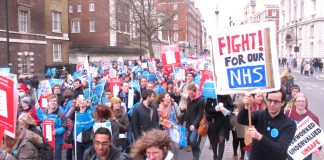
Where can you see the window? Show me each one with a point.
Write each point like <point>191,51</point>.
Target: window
<point>175,37</point>
<point>79,7</point>
<point>75,26</point>
<point>56,21</point>
<point>25,64</point>
<point>311,32</point>
<point>57,55</point>
<point>274,13</point>
<point>176,17</point>
<point>92,25</point>
<point>23,20</point>
<point>175,6</point>
<point>91,7</point>
<point>175,26</point>
<point>70,8</point>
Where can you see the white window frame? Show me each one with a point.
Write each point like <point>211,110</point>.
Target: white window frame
<point>91,7</point>
<point>274,13</point>
<point>23,20</point>
<point>92,25</point>
<point>79,8</point>
<point>70,8</point>
<point>175,37</point>
<point>24,64</point>
<point>176,17</point>
<point>175,26</point>
<point>56,21</point>
<point>75,26</point>
<point>175,6</point>
<point>57,51</point>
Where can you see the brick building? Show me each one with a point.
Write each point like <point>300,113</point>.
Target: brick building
<point>30,39</point>
<point>186,28</point>
<point>100,29</point>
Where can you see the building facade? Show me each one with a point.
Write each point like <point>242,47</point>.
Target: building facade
<point>301,33</point>
<point>100,29</point>
<point>186,27</point>
<point>28,40</point>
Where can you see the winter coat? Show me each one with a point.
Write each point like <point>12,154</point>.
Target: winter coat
<point>6,156</point>
<point>31,111</point>
<point>60,122</point>
<point>194,112</point>
<point>141,120</point>
<point>25,147</point>
<point>122,120</point>
<point>115,153</point>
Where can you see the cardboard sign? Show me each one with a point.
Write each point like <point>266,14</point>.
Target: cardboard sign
<point>106,124</point>
<point>48,127</point>
<point>44,88</point>
<point>152,66</point>
<point>114,86</point>
<point>178,134</point>
<point>246,59</point>
<point>130,102</point>
<point>8,105</point>
<point>106,64</point>
<point>206,75</point>
<point>112,73</point>
<point>170,56</point>
<point>308,137</point>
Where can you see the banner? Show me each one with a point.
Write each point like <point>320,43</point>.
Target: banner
<point>308,137</point>
<point>83,121</point>
<point>206,75</point>
<point>178,135</point>
<point>8,105</point>
<point>106,124</point>
<point>246,59</point>
<point>54,81</point>
<point>48,127</point>
<point>170,55</point>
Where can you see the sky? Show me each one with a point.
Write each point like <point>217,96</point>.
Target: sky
<point>227,8</point>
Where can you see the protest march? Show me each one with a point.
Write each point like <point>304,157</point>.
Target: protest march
<point>107,110</point>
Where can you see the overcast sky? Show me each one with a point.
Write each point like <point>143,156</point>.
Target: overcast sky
<point>227,8</point>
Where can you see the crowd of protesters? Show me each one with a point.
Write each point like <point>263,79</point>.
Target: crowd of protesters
<point>142,131</point>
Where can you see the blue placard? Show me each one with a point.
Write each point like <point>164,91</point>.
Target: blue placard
<point>247,76</point>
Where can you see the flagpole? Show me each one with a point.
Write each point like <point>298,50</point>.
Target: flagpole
<point>75,142</point>
<point>213,68</point>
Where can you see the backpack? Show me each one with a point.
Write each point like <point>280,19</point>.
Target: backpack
<point>45,151</point>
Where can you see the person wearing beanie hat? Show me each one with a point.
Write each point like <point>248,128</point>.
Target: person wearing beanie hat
<point>121,116</point>
<point>295,89</point>
<point>26,106</point>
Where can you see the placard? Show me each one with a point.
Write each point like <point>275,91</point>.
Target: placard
<point>308,137</point>
<point>48,127</point>
<point>246,59</point>
<point>8,105</point>
<point>106,124</point>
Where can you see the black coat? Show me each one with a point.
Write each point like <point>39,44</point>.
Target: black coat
<point>269,147</point>
<point>194,113</point>
<point>141,120</point>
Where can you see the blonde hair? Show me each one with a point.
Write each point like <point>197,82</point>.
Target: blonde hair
<point>152,138</point>
<point>300,95</point>
<point>27,118</point>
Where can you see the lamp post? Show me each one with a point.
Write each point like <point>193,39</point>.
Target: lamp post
<point>7,34</point>
<point>140,25</point>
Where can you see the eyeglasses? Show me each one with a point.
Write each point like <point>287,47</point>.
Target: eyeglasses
<point>270,101</point>
<point>103,144</point>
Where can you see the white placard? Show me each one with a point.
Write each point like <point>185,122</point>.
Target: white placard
<point>308,137</point>
<point>112,73</point>
<point>44,103</point>
<point>144,65</point>
<point>104,125</point>
<point>115,90</point>
<point>49,132</point>
<point>3,104</point>
<point>130,98</point>
<point>170,57</point>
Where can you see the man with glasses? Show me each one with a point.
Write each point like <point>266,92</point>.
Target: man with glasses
<point>103,148</point>
<point>272,131</point>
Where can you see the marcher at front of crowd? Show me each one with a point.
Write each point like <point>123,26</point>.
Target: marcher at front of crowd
<point>259,102</point>
<point>103,148</point>
<point>83,139</point>
<point>60,122</point>
<point>295,89</point>
<point>238,131</point>
<point>24,145</point>
<point>169,113</point>
<point>153,145</point>
<point>144,116</point>
<point>26,106</point>
<point>272,131</point>
<point>121,119</point>
<point>124,94</point>
<point>219,124</point>
<point>103,113</point>
<point>193,115</point>
<point>299,111</point>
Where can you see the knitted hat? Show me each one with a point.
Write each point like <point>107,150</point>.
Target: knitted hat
<point>25,100</point>
<point>295,87</point>
<point>114,100</point>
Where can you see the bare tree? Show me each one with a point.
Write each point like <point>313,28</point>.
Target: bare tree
<point>152,16</point>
